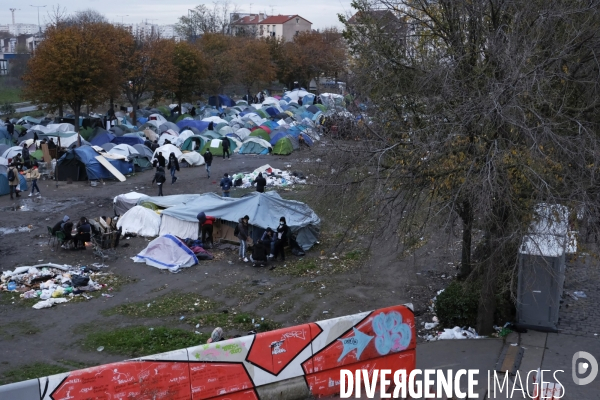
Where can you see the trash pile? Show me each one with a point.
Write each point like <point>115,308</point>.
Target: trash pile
<point>274,177</point>
<point>52,283</point>
<point>454,333</point>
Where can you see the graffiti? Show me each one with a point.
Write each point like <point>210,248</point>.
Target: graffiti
<point>293,334</point>
<point>276,347</point>
<point>333,383</point>
<point>391,333</point>
<point>233,348</point>
<point>359,341</point>
<point>219,350</point>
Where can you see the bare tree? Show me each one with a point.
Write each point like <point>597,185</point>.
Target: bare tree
<point>481,109</point>
<point>205,19</point>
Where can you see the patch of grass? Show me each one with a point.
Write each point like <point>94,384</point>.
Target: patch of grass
<point>113,281</point>
<point>10,95</point>
<point>137,341</point>
<point>75,364</point>
<point>323,265</point>
<point>171,304</point>
<point>240,291</point>
<point>305,312</point>
<point>30,371</point>
<point>13,298</point>
<point>17,328</point>
<point>237,322</point>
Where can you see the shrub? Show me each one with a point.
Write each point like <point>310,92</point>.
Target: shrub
<point>457,305</point>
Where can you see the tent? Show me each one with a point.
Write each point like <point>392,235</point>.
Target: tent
<point>212,135</point>
<point>190,123</point>
<point>255,145</point>
<point>264,210</point>
<point>167,252</point>
<point>158,117</point>
<point>65,139</point>
<point>169,125</point>
<point>130,140</point>
<point>123,202</point>
<point>108,146</point>
<point>193,143</point>
<point>192,158</point>
<point>216,146</point>
<point>143,150</point>
<point>124,150</point>
<point>166,150</point>
<point>3,165</point>
<point>4,187</point>
<point>276,136</point>
<point>80,164</point>
<point>261,133</point>
<point>101,138</point>
<point>12,151</point>
<point>141,221</point>
<point>223,101</point>
<point>283,146</point>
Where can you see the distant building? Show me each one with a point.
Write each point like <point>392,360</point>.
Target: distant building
<point>22,29</point>
<point>279,26</point>
<point>3,28</point>
<point>169,32</point>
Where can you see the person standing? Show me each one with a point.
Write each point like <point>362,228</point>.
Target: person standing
<point>281,239</point>
<point>9,127</point>
<point>206,227</point>
<point>34,175</point>
<point>225,145</point>
<point>226,184</point>
<point>261,182</point>
<point>13,179</point>
<point>160,179</point>
<point>161,160</point>
<point>208,157</point>
<point>243,236</point>
<point>173,166</point>
<point>268,239</point>
<point>26,156</point>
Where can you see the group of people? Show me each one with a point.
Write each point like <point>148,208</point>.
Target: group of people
<point>270,246</point>
<point>160,163</point>
<point>78,236</point>
<point>259,98</point>
<point>15,166</point>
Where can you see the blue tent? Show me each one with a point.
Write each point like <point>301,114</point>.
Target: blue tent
<point>4,189</point>
<point>101,138</point>
<point>192,123</point>
<point>272,111</point>
<point>142,120</point>
<point>223,99</point>
<point>275,138</point>
<point>130,140</point>
<point>80,164</point>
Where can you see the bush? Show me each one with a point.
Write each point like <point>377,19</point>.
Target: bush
<point>457,305</point>
<point>7,108</point>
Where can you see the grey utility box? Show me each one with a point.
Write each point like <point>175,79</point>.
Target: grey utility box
<point>541,281</point>
<point>542,268</point>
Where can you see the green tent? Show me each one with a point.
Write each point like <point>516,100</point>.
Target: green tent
<point>261,133</point>
<point>182,116</point>
<point>212,134</point>
<point>198,140</point>
<point>38,154</point>
<point>165,111</point>
<point>218,151</point>
<point>263,113</point>
<point>86,133</point>
<point>283,147</point>
<point>321,107</point>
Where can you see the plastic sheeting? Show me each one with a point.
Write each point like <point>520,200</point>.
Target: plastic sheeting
<point>167,252</point>
<point>192,158</point>
<point>124,202</point>
<point>174,226</point>
<point>140,221</point>
<point>264,210</point>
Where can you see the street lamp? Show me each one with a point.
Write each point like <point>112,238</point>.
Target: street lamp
<point>39,26</point>
<point>122,16</point>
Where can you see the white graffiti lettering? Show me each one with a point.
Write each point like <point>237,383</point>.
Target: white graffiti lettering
<point>333,383</point>
<point>294,334</point>
<point>276,347</point>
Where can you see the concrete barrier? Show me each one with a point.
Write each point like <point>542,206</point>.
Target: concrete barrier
<point>290,363</point>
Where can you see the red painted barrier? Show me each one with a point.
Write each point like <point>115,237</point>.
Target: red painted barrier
<point>238,369</point>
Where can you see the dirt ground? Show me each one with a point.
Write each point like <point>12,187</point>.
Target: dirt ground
<point>383,278</point>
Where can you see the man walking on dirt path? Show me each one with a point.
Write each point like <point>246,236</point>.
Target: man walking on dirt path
<point>225,144</point>
<point>208,157</point>
<point>226,185</point>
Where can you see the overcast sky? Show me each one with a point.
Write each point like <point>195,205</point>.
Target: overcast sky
<point>321,13</point>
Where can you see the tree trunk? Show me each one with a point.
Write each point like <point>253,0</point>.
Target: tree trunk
<point>60,111</point>
<point>466,214</point>
<point>487,300</point>
<point>111,101</point>
<point>134,105</point>
<point>76,112</point>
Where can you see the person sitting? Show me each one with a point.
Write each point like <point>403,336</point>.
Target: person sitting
<point>206,223</point>
<point>67,229</point>
<point>60,224</point>
<point>302,141</point>
<point>268,239</point>
<point>84,234</point>
<point>259,254</point>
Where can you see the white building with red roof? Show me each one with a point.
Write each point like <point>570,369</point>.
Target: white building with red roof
<point>262,26</point>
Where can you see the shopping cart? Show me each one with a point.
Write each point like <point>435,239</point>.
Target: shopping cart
<point>105,244</point>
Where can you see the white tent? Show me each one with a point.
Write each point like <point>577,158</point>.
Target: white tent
<point>141,221</point>
<point>166,150</point>
<point>214,119</point>
<point>167,252</point>
<point>3,165</point>
<point>12,152</point>
<point>53,128</point>
<point>193,158</point>
<point>157,117</point>
<point>168,135</point>
<point>296,94</point>
<point>243,133</point>
<point>124,150</point>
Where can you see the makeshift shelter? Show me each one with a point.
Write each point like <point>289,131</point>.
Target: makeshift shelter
<point>124,150</point>
<point>140,221</point>
<point>283,146</point>
<point>123,202</point>
<point>108,146</point>
<point>129,140</point>
<point>264,210</point>
<point>158,117</point>
<point>255,145</point>
<point>80,164</point>
<point>212,135</point>
<point>63,139</point>
<point>169,125</point>
<point>167,252</point>
<point>192,158</point>
<point>222,99</point>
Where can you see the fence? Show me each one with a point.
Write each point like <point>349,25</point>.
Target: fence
<point>288,363</point>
